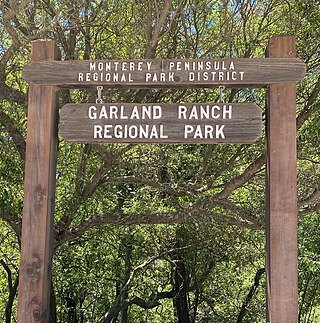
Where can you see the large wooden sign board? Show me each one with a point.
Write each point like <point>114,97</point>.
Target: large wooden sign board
<point>240,72</point>
<point>161,123</point>
<point>151,123</point>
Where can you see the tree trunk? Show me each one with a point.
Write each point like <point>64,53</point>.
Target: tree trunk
<point>245,305</point>
<point>12,295</point>
<point>127,270</point>
<point>181,285</point>
<point>53,306</point>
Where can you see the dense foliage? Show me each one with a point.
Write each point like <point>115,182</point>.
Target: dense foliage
<point>164,233</point>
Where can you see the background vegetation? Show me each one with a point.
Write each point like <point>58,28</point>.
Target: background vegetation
<point>158,233</point>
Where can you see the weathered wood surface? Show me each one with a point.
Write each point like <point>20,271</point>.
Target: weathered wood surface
<point>281,203</point>
<point>161,123</point>
<point>39,194</point>
<point>244,72</point>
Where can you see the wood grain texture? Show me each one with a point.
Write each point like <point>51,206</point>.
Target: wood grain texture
<point>161,123</point>
<point>39,194</point>
<point>281,203</point>
<point>245,72</point>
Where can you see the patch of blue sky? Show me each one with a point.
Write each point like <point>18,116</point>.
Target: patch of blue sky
<point>88,10</point>
<point>235,5</point>
<point>64,22</point>
<point>215,5</point>
<point>211,23</point>
<point>7,136</point>
<point>84,13</point>
<point>192,30</point>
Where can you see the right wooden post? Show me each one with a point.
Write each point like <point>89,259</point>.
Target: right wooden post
<point>281,193</point>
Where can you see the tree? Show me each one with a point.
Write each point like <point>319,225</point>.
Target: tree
<point>101,188</point>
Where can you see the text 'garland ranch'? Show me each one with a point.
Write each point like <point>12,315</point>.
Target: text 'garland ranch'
<point>170,71</point>
<point>161,123</point>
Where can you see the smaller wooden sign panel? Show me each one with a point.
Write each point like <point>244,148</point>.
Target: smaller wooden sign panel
<point>203,123</point>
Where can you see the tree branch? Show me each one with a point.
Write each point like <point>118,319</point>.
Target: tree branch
<point>79,196</point>
<point>309,209</point>
<point>152,302</point>
<point>14,133</point>
<point>155,36</point>
<point>12,290</point>
<point>185,215</point>
<point>312,198</point>
<point>79,181</point>
<point>309,107</point>
<point>9,273</point>
<point>13,221</point>
<point>109,163</point>
<point>240,180</point>
<point>164,187</point>
<point>245,305</point>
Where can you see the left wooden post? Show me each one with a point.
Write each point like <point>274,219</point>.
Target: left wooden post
<point>39,195</point>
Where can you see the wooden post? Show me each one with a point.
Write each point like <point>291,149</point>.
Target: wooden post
<point>37,222</point>
<point>281,195</point>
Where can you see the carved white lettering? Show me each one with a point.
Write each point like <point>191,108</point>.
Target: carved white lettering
<point>135,113</point>
<point>149,65</point>
<point>198,133</point>
<point>97,131</point>
<point>92,66</point>
<point>103,113</point>
<point>159,77</point>
<point>204,132</point>
<point>122,115</point>
<point>129,131</point>
<point>227,111</point>
<point>187,130</point>
<point>121,112</point>
<point>182,112</point>
<point>208,131</point>
<point>219,132</point>
<point>118,131</point>
<point>113,112</point>
<point>197,71</point>
<point>107,129</point>
<point>213,113</point>
<point>154,133</point>
<point>92,112</point>
<point>205,112</point>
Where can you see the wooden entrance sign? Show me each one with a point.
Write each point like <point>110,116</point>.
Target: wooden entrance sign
<point>151,123</point>
<point>240,72</point>
<point>161,123</point>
